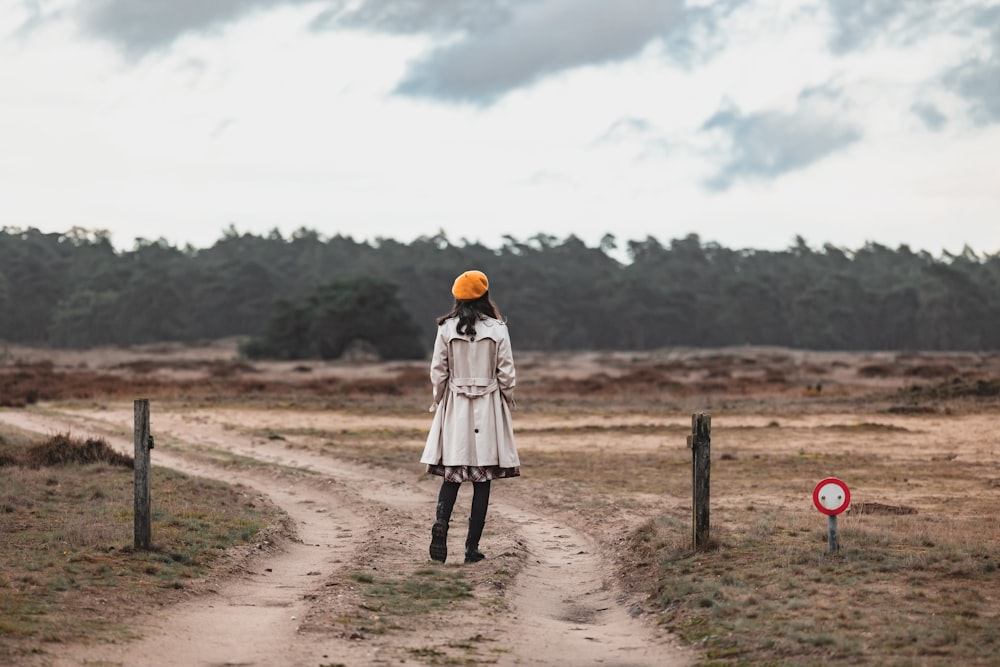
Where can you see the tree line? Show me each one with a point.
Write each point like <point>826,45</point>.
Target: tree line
<point>74,289</point>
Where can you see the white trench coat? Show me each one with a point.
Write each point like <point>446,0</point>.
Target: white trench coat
<point>473,381</point>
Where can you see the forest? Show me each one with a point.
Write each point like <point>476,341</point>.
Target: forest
<point>305,295</point>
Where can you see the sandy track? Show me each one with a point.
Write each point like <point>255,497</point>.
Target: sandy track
<point>564,607</point>
<point>251,620</point>
<point>559,610</point>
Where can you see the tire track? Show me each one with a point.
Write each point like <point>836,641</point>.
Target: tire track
<point>563,610</point>
<point>252,620</point>
<point>566,612</point>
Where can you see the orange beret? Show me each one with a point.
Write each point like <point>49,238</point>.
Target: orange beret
<point>470,286</point>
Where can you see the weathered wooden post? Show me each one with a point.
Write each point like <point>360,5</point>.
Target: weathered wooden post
<point>700,443</point>
<point>143,443</point>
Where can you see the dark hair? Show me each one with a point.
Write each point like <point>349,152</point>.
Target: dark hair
<point>468,312</point>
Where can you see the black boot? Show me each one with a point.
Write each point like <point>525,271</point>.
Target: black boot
<point>480,501</point>
<point>439,535</point>
<point>472,552</point>
<point>439,531</point>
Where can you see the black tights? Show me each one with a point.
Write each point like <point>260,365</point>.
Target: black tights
<point>480,497</point>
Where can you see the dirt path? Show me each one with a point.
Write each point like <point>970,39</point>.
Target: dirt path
<point>559,607</point>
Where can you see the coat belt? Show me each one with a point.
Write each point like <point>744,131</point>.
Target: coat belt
<point>473,387</point>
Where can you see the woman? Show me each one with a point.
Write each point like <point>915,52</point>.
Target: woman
<point>471,438</point>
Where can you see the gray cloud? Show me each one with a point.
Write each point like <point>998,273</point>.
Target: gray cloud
<point>979,83</point>
<point>542,38</point>
<point>417,16</point>
<point>35,18</point>
<point>627,129</point>
<point>859,24</point>
<point>932,117</point>
<point>489,47</point>
<point>978,80</point>
<point>699,36</point>
<point>649,141</point>
<point>767,144</point>
<point>138,27</point>
<point>506,44</point>
<point>862,24</point>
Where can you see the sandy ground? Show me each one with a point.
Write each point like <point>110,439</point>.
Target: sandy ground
<point>547,595</point>
<point>560,609</point>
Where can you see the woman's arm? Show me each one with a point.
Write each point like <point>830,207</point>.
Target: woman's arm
<point>439,366</point>
<point>506,376</point>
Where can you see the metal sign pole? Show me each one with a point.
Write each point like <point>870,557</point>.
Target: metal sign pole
<point>831,497</point>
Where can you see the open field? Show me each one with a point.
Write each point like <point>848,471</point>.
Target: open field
<point>590,559</point>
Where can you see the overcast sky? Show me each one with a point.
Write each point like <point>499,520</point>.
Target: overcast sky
<point>747,122</point>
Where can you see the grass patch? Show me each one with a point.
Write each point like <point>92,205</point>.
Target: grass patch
<point>902,590</point>
<point>66,532</point>
<point>422,591</point>
<point>476,650</point>
<point>396,602</point>
<point>955,388</point>
<point>60,450</point>
<point>866,426</point>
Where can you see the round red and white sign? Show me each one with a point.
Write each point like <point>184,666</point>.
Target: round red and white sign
<point>831,496</point>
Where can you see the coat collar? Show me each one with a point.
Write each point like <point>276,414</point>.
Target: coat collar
<point>488,328</point>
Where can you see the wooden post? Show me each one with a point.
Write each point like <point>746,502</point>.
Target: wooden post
<point>143,531</point>
<point>700,443</point>
<point>833,540</point>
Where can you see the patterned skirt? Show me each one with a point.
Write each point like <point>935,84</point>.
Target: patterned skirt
<point>472,473</point>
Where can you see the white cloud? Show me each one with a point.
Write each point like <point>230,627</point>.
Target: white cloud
<point>176,119</point>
